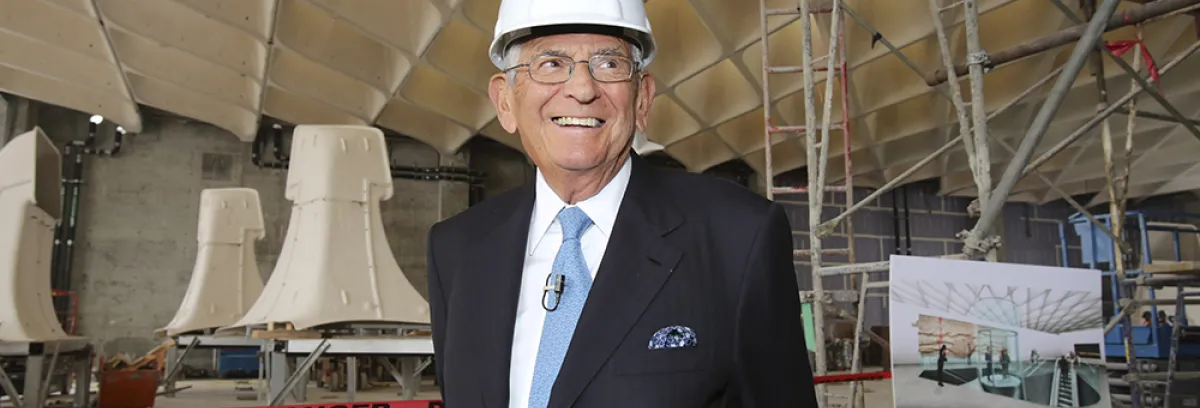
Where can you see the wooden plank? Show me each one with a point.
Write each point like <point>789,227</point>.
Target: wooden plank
<point>284,331</point>
<point>285,335</point>
<point>1176,268</point>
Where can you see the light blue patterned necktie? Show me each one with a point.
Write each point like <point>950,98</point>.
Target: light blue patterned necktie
<point>559,326</point>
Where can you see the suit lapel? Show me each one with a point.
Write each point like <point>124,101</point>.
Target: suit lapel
<point>636,264</point>
<point>497,262</point>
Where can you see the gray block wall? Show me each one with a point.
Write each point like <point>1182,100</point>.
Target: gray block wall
<point>136,240</point>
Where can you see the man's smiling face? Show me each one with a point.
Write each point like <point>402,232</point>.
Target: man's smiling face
<point>580,124</point>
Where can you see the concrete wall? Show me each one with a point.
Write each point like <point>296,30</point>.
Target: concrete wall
<point>136,241</point>
<point>505,168</point>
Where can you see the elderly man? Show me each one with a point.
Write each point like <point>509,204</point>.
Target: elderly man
<point>606,282</point>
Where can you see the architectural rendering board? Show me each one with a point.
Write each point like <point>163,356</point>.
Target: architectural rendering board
<point>30,179</point>
<point>972,334</point>
<point>225,279</point>
<point>336,265</point>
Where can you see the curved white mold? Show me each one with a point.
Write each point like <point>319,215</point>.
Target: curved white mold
<point>30,182</point>
<point>225,280</point>
<point>336,265</point>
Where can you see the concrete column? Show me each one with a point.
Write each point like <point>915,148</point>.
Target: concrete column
<point>452,195</point>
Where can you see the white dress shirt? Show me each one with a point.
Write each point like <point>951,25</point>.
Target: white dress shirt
<point>545,237</point>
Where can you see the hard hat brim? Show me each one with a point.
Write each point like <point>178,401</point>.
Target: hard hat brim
<point>641,38</point>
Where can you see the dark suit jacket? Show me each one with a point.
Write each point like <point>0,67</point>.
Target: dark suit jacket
<point>685,250</point>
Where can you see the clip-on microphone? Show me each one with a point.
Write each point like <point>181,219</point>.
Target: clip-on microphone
<point>555,283</point>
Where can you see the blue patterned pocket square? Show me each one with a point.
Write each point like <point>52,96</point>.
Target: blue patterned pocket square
<point>672,337</point>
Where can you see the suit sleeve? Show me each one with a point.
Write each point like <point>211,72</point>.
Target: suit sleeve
<point>437,308</point>
<point>772,358</point>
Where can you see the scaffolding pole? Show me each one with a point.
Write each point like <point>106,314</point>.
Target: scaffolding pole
<point>828,226</point>
<point>1128,17</point>
<point>1095,120</point>
<point>1098,65</point>
<point>975,242</point>
<point>975,135</point>
<point>816,146</point>
<point>976,145</point>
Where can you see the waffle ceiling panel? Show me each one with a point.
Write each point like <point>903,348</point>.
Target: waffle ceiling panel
<point>420,68</point>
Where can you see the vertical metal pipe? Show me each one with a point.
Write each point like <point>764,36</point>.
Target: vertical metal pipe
<point>1062,232</point>
<point>907,224</point>
<point>976,57</point>
<point>960,107</point>
<point>896,220</point>
<point>847,141</point>
<point>856,359</point>
<point>1041,123</point>
<point>769,171</point>
<point>899,179</point>
<point>1097,64</point>
<point>815,190</point>
<point>1173,359</point>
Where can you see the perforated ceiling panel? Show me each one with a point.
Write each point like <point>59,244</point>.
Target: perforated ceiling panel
<point>420,67</point>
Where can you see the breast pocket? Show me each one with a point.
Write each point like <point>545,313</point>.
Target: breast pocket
<point>667,350</point>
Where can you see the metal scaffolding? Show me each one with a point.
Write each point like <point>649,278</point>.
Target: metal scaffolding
<point>972,118</point>
<point>816,143</point>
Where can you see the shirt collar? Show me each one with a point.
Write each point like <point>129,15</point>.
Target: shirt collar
<point>601,208</point>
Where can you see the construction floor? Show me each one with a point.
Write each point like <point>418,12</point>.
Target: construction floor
<point>221,393</point>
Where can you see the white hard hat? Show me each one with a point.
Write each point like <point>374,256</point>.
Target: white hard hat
<point>522,18</point>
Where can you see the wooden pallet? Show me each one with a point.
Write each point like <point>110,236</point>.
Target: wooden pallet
<point>284,331</point>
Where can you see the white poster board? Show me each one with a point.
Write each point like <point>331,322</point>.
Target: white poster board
<point>975,334</point>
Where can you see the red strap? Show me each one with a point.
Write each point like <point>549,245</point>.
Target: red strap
<point>1119,48</point>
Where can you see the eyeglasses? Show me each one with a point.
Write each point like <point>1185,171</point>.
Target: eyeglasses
<point>551,70</point>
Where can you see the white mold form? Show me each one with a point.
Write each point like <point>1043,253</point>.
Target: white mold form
<point>225,280</point>
<point>336,265</point>
<point>30,178</point>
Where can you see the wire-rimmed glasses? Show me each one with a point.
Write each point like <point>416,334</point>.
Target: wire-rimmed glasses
<point>550,69</point>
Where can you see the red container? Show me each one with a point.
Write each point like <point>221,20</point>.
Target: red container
<point>127,389</point>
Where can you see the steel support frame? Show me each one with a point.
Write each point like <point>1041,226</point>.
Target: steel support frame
<point>1134,15</point>
<point>976,146</point>
<point>828,226</point>
<point>277,391</point>
<point>1041,122</point>
<point>974,243</point>
<point>175,366</point>
<point>816,146</point>
<point>282,380</point>
<point>1154,93</point>
<point>38,376</point>
<point>1112,108</point>
<point>1176,331</point>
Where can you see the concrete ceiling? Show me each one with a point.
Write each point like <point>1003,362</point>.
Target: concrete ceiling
<point>420,67</point>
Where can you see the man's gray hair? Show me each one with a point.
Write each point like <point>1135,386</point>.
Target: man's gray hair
<point>512,57</point>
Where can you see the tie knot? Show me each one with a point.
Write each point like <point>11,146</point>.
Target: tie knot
<point>574,221</point>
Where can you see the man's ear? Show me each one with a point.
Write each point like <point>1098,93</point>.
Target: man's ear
<point>645,98</point>
<point>500,95</point>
